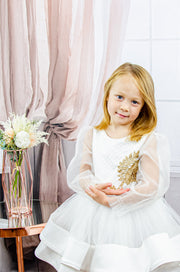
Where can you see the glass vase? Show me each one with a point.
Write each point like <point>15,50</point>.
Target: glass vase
<point>20,221</point>
<point>17,182</point>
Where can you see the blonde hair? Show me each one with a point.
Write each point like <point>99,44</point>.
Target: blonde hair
<point>147,119</point>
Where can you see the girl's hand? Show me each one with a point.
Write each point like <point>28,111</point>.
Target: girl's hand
<point>115,192</point>
<point>104,187</point>
<point>100,192</point>
<point>97,195</point>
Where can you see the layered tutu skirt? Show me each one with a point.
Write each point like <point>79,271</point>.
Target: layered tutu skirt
<point>82,235</point>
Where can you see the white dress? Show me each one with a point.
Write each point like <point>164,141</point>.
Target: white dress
<point>139,232</point>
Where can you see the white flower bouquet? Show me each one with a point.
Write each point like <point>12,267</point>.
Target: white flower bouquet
<point>17,136</point>
<point>20,133</point>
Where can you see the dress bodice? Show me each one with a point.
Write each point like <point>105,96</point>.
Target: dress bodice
<point>112,157</point>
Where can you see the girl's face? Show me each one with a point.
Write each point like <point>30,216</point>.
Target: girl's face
<point>124,102</point>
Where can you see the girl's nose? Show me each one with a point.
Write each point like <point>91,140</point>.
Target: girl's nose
<point>124,107</point>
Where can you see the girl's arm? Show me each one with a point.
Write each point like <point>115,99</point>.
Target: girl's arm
<point>152,176</point>
<point>80,175</point>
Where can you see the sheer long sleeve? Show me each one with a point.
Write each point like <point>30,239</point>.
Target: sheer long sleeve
<point>80,172</point>
<point>152,176</point>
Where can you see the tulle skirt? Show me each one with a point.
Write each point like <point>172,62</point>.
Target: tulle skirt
<point>82,235</point>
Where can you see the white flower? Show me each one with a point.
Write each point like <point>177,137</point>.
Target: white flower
<point>22,139</point>
<point>20,132</point>
<point>19,123</point>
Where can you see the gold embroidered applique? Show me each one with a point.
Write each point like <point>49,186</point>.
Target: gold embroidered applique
<point>127,169</point>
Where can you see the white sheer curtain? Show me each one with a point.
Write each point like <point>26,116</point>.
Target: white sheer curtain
<point>19,68</point>
<point>20,83</point>
<point>110,21</point>
<point>85,44</point>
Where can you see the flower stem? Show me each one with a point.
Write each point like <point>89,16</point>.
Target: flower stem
<point>17,178</point>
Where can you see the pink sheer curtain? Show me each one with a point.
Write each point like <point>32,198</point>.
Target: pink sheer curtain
<point>19,73</point>
<point>85,43</point>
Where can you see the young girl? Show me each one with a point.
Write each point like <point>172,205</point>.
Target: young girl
<point>118,220</point>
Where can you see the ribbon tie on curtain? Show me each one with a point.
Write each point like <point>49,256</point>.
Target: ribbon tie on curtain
<point>53,170</point>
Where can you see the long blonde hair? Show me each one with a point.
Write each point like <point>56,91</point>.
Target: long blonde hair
<point>147,119</point>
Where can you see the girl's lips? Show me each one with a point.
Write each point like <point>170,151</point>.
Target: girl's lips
<point>121,115</point>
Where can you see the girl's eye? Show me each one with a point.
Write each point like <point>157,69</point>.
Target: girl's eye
<point>119,97</point>
<point>134,102</point>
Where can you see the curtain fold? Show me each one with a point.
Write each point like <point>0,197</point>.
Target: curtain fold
<point>19,85</point>
<point>110,27</point>
<point>85,44</point>
<point>19,73</point>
